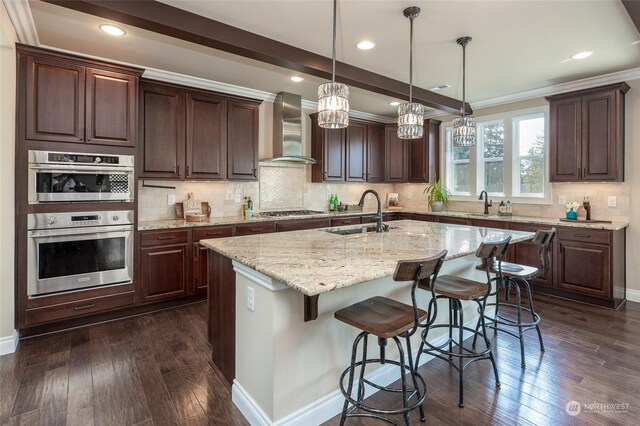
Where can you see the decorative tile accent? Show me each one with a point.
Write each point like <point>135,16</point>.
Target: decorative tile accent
<point>282,188</point>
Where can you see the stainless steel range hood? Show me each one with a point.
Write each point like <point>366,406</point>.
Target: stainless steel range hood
<point>287,129</point>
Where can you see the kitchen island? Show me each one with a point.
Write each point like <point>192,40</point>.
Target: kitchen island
<point>262,288</point>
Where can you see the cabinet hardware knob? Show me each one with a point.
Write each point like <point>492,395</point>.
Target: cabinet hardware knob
<point>166,238</point>
<point>582,236</point>
<point>80,308</point>
<point>188,170</point>
<point>213,234</point>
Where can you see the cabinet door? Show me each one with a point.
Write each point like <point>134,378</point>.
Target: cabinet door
<point>334,153</point>
<point>375,153</point>
<point>162,132</point>
<point>599,161</point>
<point>584,268</point>
<point>565,140</point>
<point>242,140</point>
<point>55,100</point>
<point>200,268</point>
<point>164,272</point>
<point>423,154</point>
<point>396,156</point>
<point>356,152</point>
<point>206,137</point>
<point>111,108</point>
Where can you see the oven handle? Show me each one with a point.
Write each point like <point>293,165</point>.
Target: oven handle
<point>79,231</point>
<point>102,169</point>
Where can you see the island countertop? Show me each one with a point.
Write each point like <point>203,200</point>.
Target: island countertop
<point>316,261</point>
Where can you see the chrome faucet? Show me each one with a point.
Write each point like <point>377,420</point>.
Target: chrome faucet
<point>380,227</point>
<point>487,203</point>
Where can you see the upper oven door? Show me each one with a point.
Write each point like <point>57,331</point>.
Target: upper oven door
<point>79,183</point>
<point>68,259</point>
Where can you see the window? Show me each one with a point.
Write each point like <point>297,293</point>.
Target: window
<point>508,161</point>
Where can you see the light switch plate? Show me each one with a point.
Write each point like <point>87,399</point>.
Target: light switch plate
<point>171,199</point>
<point>562,200</point>
<point>612,201</point>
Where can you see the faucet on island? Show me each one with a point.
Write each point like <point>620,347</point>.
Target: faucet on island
<point>380,227</point>
<point>487,203</point>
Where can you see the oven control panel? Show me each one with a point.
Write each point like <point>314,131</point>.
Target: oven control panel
<point>78,219</point>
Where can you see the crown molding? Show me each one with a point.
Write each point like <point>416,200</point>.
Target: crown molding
<point>20,15</point>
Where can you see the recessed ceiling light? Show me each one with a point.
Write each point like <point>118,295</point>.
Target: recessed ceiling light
<point>582,55</point>
<point>296,78</point>
<point>442,86</point>
<point>365,45</point>
<point>112,30</point>
<point>394,103</point>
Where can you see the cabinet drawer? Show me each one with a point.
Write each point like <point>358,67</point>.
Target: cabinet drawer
<point>78,308</point>
<point>296,225</point>
<point>217,232</point>
<point>345,221</point>
<point>418,216</point>
<point>256,228</point>
<point>370,218</point>
<point>586,235</point>
<point>454,220</point>
<point>150,239</point>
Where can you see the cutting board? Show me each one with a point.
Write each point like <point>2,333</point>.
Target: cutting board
<point>204,209</point>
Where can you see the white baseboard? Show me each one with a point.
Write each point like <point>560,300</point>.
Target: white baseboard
<point>8,344</point>
<point>328,406</point>
<point>633,295</point>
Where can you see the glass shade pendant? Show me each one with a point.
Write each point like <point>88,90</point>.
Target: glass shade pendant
<point>333,98</point>
<point>410,114</point>
<point>464,127</point>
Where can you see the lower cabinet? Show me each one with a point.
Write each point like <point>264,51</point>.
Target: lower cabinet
<point>342,221</point>
<point>164,265</point>
<point>298,225</point>
<point>526,253</point>
<point>199,263</point>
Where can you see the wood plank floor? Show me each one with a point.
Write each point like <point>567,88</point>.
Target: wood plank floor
<point>153,370</point>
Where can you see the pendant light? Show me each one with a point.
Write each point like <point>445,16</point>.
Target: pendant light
<point>333,98</point>
<point>410,114</point>
<point>464,127</point>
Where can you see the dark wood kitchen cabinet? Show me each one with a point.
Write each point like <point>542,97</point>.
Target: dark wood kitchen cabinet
<point>396,156</point>
<point>328,149</point>
<point>242,140</point>
<point>72,99</point>
<point>164,265</point>
<point>424,154</point>
<point>586,136</point>
<point>375,153</point>
<point>526,253</point>
<point>199,262</point>
<point>365,152</point>
<point>192,134</point>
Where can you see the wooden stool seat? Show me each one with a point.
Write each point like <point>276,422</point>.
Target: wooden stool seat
<point>458,288</point>
<point>380,316</point>
<point>515,270</point>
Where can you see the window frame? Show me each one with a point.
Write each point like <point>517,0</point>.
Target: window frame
<point>511,159</point>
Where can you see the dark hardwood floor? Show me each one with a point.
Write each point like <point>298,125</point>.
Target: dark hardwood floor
<point>154,369</point>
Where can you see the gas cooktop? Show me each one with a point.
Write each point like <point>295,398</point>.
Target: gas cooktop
<point>291,213</point>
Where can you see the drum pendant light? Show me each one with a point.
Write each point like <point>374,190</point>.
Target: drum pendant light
<point>464,127</point>
<point>333,98</point>
<point>410,114</point>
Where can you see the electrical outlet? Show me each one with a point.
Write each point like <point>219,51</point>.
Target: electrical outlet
<point>612,201</point>
<point>250,299</point>
<point>562,200</point>
<point>171,199</point>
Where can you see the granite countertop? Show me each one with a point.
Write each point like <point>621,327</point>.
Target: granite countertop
<point>237,220</point>
<point>316,261</point>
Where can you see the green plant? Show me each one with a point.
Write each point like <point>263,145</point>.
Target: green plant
<point>437,192</point>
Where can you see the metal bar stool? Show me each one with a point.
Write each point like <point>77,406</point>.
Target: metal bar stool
<point>456,290</point>
<point>388,319</point>
<point>517,275</point>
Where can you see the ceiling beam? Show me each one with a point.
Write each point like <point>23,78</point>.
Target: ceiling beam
<point>633,9</point>
<point>173,22</point>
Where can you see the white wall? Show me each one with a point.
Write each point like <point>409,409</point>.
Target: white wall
<point>8,39</point>
<point>632,178</point>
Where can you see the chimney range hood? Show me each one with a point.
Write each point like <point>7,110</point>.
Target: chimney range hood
<point>287,130</point>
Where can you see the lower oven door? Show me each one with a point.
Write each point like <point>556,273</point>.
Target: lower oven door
<point>69,259</point>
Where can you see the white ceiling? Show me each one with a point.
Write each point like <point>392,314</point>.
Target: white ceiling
<point>517,45</point>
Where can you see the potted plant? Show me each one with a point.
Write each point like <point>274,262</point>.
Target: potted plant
<point>437,196</point>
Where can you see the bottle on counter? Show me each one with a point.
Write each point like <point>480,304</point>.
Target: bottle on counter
<point>244,206</point>
<point>587,207</point>
<point>249,211</point>
<point>509,207</point>
<point>332,203</point>
<point>502,208</point>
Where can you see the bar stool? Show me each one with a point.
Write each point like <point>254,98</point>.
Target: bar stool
<point>517,275</point>
<point>456,290</point>
<point>388,319</point>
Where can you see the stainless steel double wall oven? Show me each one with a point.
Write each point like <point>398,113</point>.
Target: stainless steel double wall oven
<point>72,250</point>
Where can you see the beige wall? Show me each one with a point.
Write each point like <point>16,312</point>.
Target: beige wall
<point>8,39</point>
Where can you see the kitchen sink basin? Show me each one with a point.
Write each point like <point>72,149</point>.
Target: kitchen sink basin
<point>355,230</point>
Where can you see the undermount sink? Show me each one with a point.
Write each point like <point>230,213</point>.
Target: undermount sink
<point>355,230</point>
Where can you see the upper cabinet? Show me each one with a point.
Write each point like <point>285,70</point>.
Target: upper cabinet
<point>191,134</point>
<point>67,99</point>
<point>396,155</point>
<point>354,154</point>
<point>586,137</point>
<point>424,154</point>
